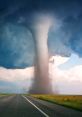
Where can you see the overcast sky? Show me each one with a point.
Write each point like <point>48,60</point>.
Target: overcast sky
<point>17,44</point>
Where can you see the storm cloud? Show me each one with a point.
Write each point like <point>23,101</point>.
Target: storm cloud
<point>14,18</point>
<point>17,44</point>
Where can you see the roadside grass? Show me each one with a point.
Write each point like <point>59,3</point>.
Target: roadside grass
<point>5,94</point>
<point>72,101</point>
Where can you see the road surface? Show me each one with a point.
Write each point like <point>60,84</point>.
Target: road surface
<point>26,106</point>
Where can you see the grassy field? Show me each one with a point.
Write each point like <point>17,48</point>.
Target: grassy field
<point>74,101</point>
<point>5,94</point>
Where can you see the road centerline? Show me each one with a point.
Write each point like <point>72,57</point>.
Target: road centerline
<point>35,106</point>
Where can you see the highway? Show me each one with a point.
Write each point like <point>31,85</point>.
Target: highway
<point>26,106</point>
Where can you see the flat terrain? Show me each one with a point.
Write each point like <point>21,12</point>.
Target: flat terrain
<point>72,101</point>
<point>27,106</point>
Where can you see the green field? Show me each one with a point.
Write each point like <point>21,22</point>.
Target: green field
<point>5,94</point>
<point>71,101</point>
<point>1,94</point>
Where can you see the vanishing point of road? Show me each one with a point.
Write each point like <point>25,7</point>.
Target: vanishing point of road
<point>26,106</point>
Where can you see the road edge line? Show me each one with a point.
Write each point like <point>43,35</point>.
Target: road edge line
<point>35,106</point>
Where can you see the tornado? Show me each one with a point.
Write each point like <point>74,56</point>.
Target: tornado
<point>39,30</point>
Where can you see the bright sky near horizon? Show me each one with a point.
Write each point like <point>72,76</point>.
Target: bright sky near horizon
<point>64,81</point>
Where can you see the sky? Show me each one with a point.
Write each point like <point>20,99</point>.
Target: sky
<point>17,48</point>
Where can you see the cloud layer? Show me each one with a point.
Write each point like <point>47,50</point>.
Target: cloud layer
<point>16,41</point>
<point>68,81</point>
<point>65,81</point>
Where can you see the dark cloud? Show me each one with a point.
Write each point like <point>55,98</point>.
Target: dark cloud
<point>16,42</point>
<point>16,47</point>
<point>22,7</point>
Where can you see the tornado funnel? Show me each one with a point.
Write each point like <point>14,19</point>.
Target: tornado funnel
<point>40,29</point>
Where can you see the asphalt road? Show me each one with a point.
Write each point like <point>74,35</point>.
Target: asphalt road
<point>26,106</point>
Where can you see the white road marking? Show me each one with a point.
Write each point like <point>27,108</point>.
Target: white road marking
<point>36,106</point>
